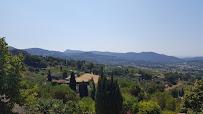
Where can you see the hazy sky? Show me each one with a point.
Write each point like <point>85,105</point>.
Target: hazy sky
<point>172,27</point>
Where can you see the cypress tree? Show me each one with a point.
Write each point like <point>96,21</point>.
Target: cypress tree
<point>93,91</point>
<point>83,90</point>
<point>108,97</point>
<point>61,68</point>
<point>101,72</point>
<point>181,92</point>
<point>72,84</point>
<point>174,93</point>
<point>65,74</point>
<point>49,76</point>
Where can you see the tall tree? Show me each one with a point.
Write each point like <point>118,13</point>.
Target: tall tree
<point>101,72</point>
<point>79,65</point>
<point>90,66</point>
<point>174,93</point>
<point>61,68</point>
<point>10,78</point>
<point>72,82</point>
<point>83,90</point>
<point>65,74</point>
<point>182,92</point>
<point>108,97</point>
<point>93,91</point>
<point>49,76</point>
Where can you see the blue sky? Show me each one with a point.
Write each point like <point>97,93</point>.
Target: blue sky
<point>171,27</point>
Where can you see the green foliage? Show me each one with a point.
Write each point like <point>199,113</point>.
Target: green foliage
<point>90,66</point>
<point>92,85</point>
<point>168,112</point>
<point>63,92</point>
<point>152,87</point>
<point>35,61</point>
<point>65,74</point>
<point>61,68</point>
<point>174,93</point>
<point>145,76</point>
<point>49,76</point>
<point>55,63</point>
<point>165,101</point>
<point>79,64</point>
<point>108,97</point>
<point>72,82</point>
<point>52,106</point>
<point>87,105</point>
<point>187,77</point>
<point>149,108</point>
<point>18,51</point>
<point>172,77</point>
<point>30,95</point>
<point>130,103</point>
<point>126,83</point>
<point>193,99</point>
<point>181,92</point>
<point>40,96</point>
<point>45,89</point>
<point>83,90</point>
<point>130,87</point>
<point>10,78</point>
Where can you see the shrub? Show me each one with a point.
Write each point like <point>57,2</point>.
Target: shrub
<point>150,107</point>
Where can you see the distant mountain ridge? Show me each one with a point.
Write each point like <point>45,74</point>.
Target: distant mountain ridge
<point>143,56</point>
<point>109,58</point>
<point>43,52</point>
<point>73,51</point>
<point>193,58</point>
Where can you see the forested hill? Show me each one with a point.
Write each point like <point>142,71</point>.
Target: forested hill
<point>36,84</point>
<point>43,52</point>
<point>109,58</point>
<point>193,58</point>
<point>143,56</point>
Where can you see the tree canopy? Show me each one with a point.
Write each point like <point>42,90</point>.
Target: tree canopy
<point>108,97</point>
<point>10,78</point>
<point>193,99</point>
<point>72,82</point>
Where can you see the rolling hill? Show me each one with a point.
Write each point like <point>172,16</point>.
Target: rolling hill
<point>143,56</point>
<point>109,58</point>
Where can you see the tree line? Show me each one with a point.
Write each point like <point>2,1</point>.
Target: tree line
<point>111,95</point>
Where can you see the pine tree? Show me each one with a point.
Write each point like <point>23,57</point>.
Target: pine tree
<point>108,97</point>
<point>49,76</point>
<point>72,82</point>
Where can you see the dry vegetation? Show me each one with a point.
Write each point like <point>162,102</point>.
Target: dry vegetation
<point>174,86</point>
<point>86,77</point>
